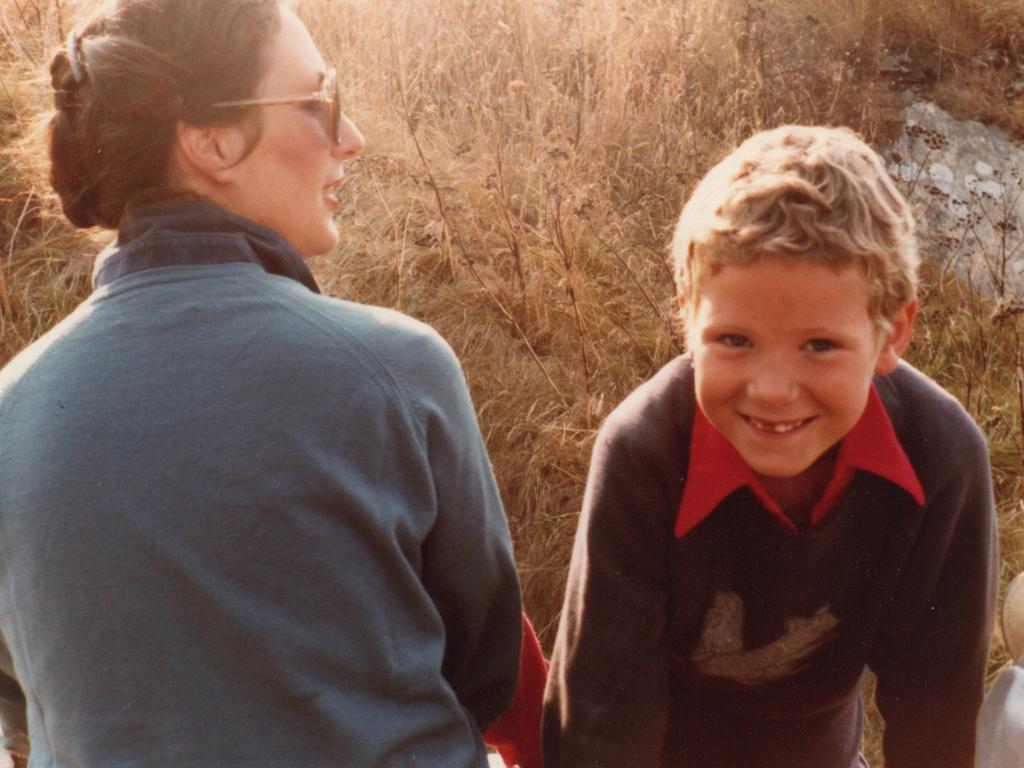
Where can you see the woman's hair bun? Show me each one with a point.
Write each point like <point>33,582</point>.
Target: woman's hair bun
<point>142,66</point>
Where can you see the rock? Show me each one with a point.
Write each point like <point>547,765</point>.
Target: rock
<point>894,65</point>
<point>963,180</point>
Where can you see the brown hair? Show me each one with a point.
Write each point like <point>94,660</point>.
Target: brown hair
<point>813,193</point>
<point>143,66</point>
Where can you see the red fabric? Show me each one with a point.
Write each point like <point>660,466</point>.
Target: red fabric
<point>716,468</point>
<point>516,735</point>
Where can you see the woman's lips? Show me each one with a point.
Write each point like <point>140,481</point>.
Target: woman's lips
<point>331,189</point>
<point>331,194</point>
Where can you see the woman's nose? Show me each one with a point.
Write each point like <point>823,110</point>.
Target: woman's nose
<point>350,140</point>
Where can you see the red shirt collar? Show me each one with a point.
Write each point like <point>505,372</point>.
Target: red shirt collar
<point>716,468</point>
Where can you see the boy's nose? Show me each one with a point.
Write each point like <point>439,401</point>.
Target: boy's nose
<point>773,385</point>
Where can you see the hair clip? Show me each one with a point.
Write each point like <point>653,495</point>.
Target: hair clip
<point>76,67</point>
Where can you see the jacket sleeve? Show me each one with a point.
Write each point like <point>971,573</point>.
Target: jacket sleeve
<point>606,700</point>
<point>931,661</point>
<point>468,566</point>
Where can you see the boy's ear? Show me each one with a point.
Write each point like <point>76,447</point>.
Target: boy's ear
<point>209,151</point>
<point>895,342</point>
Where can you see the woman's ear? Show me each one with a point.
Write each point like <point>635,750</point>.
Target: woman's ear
<point>895,341</point>
<point>208,154</point>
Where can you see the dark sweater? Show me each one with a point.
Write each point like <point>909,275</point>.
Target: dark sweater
<point>641,673</point>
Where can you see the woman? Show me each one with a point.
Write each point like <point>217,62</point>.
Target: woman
<point>242,524</point>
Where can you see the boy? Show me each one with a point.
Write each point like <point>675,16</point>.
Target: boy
<point>785,506</point>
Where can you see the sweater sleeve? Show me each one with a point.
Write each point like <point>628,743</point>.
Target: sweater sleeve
<point>931,663</point>
<point>468,567</point>
<point>606,699</point>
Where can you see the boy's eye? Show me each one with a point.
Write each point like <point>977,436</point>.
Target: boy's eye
<point>820,345</point>
<point>313,107</point>
<point>733,340</point>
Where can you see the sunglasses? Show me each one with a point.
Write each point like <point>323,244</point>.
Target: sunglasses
<point>328,94</point>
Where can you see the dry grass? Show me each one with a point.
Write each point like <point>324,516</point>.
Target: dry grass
<point>560,139</point>
<point>525,162</point>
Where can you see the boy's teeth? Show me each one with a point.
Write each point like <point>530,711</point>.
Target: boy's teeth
<point>779,428</point>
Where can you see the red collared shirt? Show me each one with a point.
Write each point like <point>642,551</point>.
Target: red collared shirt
<point>716,468</point>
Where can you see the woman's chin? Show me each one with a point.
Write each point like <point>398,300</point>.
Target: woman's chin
<point>322,244</point>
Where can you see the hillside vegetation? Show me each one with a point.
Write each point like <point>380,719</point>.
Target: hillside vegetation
<point>525,162</point>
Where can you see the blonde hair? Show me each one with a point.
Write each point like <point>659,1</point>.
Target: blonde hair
<point>798,192</point>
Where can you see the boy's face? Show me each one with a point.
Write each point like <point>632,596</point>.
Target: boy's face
<point>783,353</point>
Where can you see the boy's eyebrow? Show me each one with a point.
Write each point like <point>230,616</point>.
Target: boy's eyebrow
<point>719,323</point>
<point>833,332</point>
<point>716,327</point>
<point>713,331</point>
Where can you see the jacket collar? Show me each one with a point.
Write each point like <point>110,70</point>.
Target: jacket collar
<point>177,234</point>
<point>716,469</point>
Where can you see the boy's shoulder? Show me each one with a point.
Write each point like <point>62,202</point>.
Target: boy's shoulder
<point>668,389</point>
<point>657,416</point>
<point>915,401</point>
<point>932,426</point>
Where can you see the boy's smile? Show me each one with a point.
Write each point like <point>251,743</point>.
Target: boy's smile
<point>784,351</point>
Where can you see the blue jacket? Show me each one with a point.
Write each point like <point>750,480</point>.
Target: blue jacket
<point>243,524</point>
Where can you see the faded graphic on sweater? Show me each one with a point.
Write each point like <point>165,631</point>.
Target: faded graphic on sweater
<point>721,653</point>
